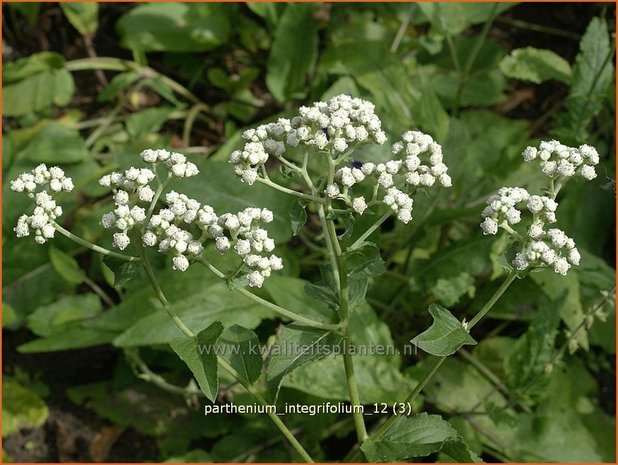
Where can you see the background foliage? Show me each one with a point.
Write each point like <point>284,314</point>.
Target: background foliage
<point>89,86</point>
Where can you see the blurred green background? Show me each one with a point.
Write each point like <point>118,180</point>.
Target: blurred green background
<point>88,86</point>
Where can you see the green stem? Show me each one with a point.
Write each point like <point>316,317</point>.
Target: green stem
<point>274,307</point>
<point>92,246</point>
<point>369,231</point>
<point>440,360</point>
<point>222,363</point>
<point>164,302</point>
<point>273,416</point>
<point>155,199</point>
<point>279,187</point>
<point>100,292</point>
<point>344,309</point>
<point>116,64</point>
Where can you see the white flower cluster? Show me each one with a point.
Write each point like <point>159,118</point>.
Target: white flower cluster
<point>540,247</point>
<point>175,163</point>
<point>36,184</point>
<point>502,208</point>
<point>166,229</point>
<point>559,161</point>
<point>130,188</point>
<point>410,172</point>
<point>42,179</point>
<point>552,248</point>
<point>332,125</point>
<point>240,232</point>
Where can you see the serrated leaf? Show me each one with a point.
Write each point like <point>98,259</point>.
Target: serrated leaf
<point>241,349</point>
<point>293,52</point>
<point>199,355</point>
<point>445,336</point>
<point>410,437</point>
<point>536,65</point>
<point>296,346</point>
<point>66,266</point>
<point>592,75</point>
<point>365,262</point>
<point>84,16</point>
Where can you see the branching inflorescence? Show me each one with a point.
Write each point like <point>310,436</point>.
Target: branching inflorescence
<point>539,246</point>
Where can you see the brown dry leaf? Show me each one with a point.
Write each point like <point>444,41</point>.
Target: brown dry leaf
<point>103,442</point>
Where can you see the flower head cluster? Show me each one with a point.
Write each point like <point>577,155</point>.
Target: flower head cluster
<point>130,188</point>
<point>175,163</point>
<point>36,184</point>
<point>333,125</point>
<point>169,229</point>
<point>420,165</point>
<point>540,247</point>
<point>181,228</point>
<point>561,162</point>
<point>553,248</point>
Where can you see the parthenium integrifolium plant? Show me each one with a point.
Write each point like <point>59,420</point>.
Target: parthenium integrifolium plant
<point>316,146</point>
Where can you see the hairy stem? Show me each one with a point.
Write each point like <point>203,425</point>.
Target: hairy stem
<point>279,187</point>
<point>92,246</point>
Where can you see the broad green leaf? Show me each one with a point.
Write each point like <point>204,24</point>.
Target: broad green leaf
<point>378,376</point>
<point>84,16</point>
<point>218,186</point>
<point>431,114</point>
<point>241,349</point>
<point>445,335</point>
<point>365,262</point>
<point>290,293</point>
<point>192,456</point>
<point>55,317</point>
<point>410,437</point>
<point>118,83</point>
<point>55,143</point>
<point>21,408</point>
<point>35,83</point>
<point>198,310</point>
<point>296,346</point>
<point>293,53</point>
<point>66,266</point>
<point>175,27</point>
<point>535,65</point>
<point>592,75</point>
<point>10,318</point>
<point>199,355</point>
<point>146,121</point>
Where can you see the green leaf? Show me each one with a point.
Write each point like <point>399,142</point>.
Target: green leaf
<point>454,18</point>
<point>445,336</point>
<point>66,266</point>
<point>35,83</point>
<point>365,262</point>
<point>409,437</point>
<point>122,270</point>
<point>57,316</point>
<point>199,355</point>
<point>84,16</point>
<point>592,75</point>
<point>147,121</point>
<point>536,65</point>
<point>296,346</point>
<point>30,10</point>
<point>198,310</point>
<point>175,27</point>
<point>241,349</point>
<point>55,143</point>
<point>293,53</point>
<point>298,216</point>
<point>21,408</point>
<point>118,83</point>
